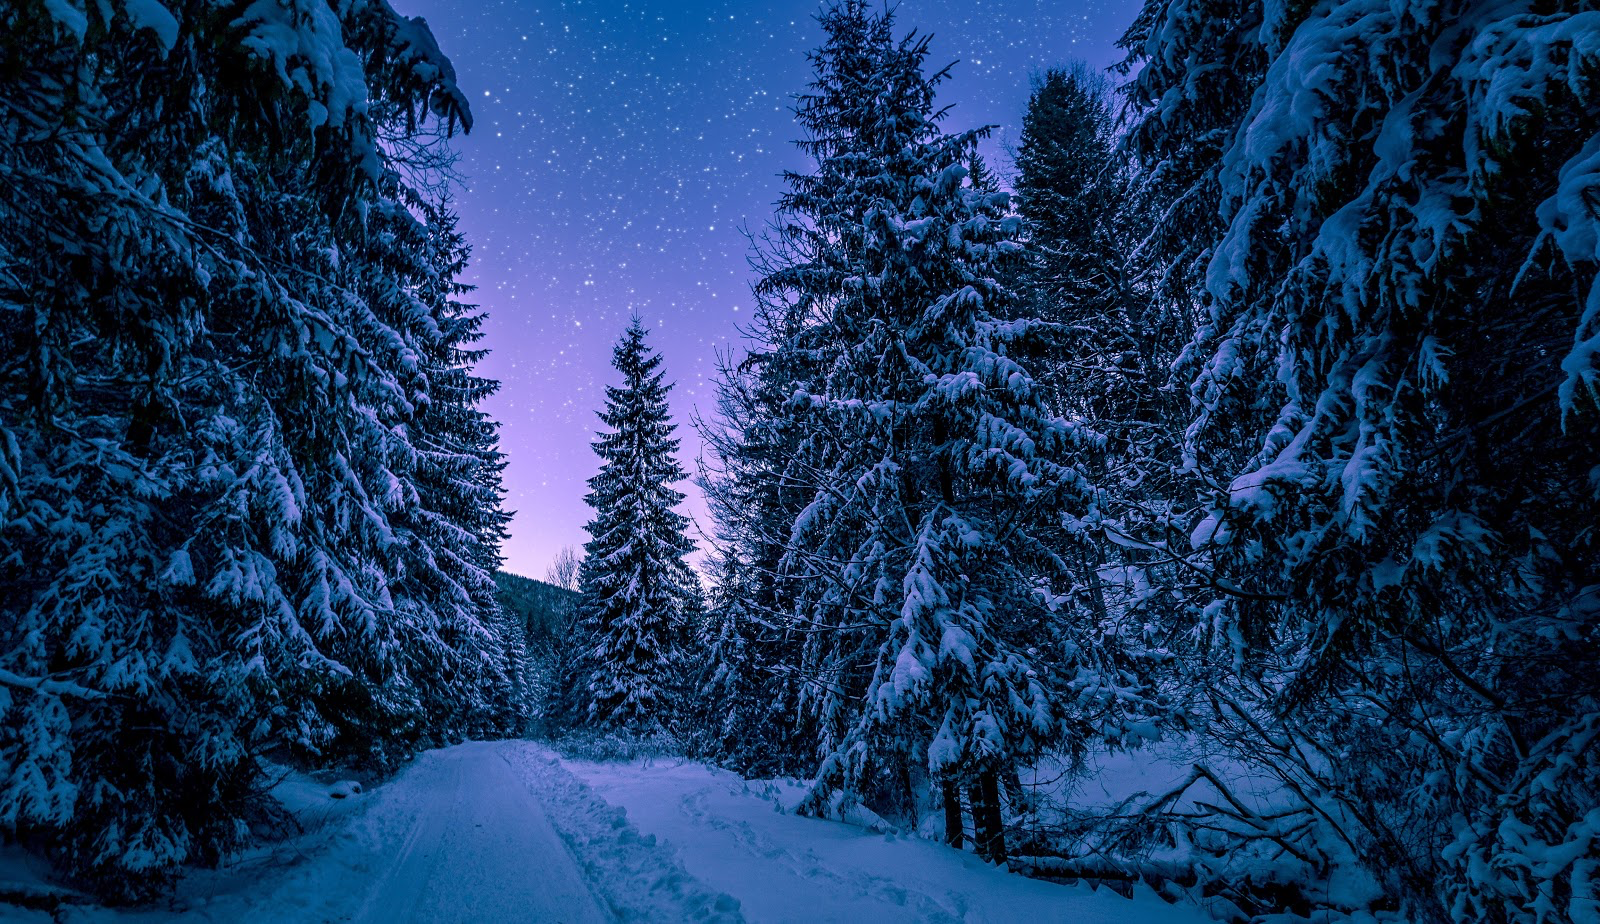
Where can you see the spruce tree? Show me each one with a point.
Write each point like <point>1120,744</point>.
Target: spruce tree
<point>932,473</point>
<point>738,709</point>
<point>724,685</point>
<point>749,444</point>
<point>1383,220</point>
<point>1107,365</point>
<point>637,591</point>
<point>1068,189</point>
<point>1066,182</point>
<point>458,469</point>
<point>219,536</point>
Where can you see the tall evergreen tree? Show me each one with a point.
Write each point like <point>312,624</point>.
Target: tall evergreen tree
<point>1108,363</point>
<point>1386,218</point>
<point>458,469</point>
<point>749,443</point>
<point>931,472</point>
<point>1067,183</point>
<point>1069,190</point>
<point>725,690</point>
<point>216,534</point>
<point>740,691</point>
<point>638,592</point>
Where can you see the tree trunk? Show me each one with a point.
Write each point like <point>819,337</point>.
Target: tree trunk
<point>908,794</point>
<point>1092,560</point>
<point>953,833</point>
<point>988,829</point>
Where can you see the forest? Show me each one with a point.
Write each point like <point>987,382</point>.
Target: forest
<point>1246,421</point>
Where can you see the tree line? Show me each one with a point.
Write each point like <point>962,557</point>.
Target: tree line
<point>249,502</point>
<point>1262,418</point>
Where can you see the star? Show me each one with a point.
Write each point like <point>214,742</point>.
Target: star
<point>620,152</point>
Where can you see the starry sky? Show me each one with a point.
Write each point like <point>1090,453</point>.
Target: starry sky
<point>621,149</point>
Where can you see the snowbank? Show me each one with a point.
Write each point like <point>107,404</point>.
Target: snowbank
<point>737,836</point>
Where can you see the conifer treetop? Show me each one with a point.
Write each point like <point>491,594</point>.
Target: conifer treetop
<point>636,586</point>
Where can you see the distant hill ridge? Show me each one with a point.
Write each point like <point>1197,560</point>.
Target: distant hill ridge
<point>543,607</point>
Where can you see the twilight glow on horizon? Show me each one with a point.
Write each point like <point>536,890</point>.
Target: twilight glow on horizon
<point>620,151</point>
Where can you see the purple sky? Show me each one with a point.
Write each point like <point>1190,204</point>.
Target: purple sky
<point>620,148</point>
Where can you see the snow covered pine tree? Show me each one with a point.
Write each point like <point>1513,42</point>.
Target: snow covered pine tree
<point>1394,425</point>
<point>224,323</point>
<point>1069,185</point>
<point>637,591</point>
<point>458,471</point>
<point>1109,366</point>
<point>933,473</point>
<point>748,446</point>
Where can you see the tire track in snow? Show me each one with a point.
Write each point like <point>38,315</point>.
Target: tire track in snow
<point>394,892</point>
<point>482,849</point>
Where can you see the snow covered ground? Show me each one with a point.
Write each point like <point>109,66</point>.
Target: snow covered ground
<point>506,832</point>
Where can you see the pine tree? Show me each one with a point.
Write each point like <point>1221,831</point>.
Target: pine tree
<point>932,474</point>
<point>1383,221</point>
<point>638,592</point>
<point>735,711</point>
<point>979,176</point>
<point>1066,182</point>
<point>215,539</point>
<point>724,688</point>
<point>1068,189</point>
<point>458,468</point>
<point>1108,367</point>
<point>749,443</point>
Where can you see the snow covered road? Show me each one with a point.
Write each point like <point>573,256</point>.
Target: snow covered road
<point>494,832</point>
<point>481,850</point>
<point>505,832</point>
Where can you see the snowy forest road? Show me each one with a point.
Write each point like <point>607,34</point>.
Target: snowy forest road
<point>504,832</point>
<point>482,849</point>
<point>497,832</point>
